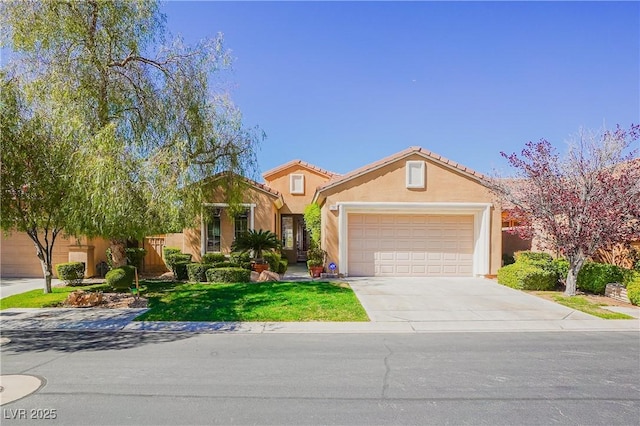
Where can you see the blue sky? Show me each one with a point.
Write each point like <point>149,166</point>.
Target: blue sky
<point>343,84</point>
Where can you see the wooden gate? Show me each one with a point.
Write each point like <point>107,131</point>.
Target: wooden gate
<point>153,262</point>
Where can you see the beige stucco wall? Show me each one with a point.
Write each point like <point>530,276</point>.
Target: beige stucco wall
<point>190,241</point>
<point>296,203</point>
<point>18,254</point>
<point>388,184</point>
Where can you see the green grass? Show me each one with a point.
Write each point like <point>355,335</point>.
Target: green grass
<point>39,299</point>
<point>582,304</point>
<point>270,301</point>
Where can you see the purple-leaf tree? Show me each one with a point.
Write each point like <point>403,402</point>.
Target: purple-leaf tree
<point>578,203</point>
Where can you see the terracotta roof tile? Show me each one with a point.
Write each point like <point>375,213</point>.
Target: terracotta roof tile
<point>301,163</point>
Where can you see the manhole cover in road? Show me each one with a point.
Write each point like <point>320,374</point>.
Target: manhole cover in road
<point>16,386</point>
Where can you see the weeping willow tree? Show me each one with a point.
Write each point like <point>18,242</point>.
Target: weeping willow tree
<point>145,118</point>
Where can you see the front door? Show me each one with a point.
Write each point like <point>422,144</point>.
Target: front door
<point>295,240</point>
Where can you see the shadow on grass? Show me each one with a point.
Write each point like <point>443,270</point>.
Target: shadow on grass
<point>287,301</point>
<point>76,341</point>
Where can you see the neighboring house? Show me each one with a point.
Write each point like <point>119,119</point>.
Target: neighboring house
<point>413,213</point>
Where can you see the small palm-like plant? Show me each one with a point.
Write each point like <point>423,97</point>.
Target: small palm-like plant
<point>257,242</point>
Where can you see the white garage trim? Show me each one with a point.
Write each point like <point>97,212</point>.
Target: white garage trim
<point>480,211</point>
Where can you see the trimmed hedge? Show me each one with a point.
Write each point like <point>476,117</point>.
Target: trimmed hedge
<point>213,258</point>
<point>633,291</point>
<point>242,260</point>
<point>532,257</point>
<point>524,276</point>
<point>180,270</point>
<point>594,277</point>
<point>121,279</point>
<point>197,272</point>
<point>228,275</point>
<point>561,268</point>
<point>276,262</point>
<point>72,273</point>
<point>172,260</point>
<point>167,251</point>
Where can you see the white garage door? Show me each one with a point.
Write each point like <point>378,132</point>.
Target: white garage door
<point>410,245</point>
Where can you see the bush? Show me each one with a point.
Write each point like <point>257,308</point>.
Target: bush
<point>174,258</point>
<point>228,275</point>
<point>507,259</point>
<point>135,255</point>
<point>224,265</point>
<point>121,279</point>
<point>213,258</point>
<point>241,260</point>
<point>594,277</point>
<point>633,291</point>
<point>532,257</point>
<point>72,273</point>
<point>196,272</point>
<point>180,269</point>
<point>276,263</point>
<point>561,268</point>
<point>524,276</point>
<point>167,251</point>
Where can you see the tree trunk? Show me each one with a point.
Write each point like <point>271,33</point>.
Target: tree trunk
<point>47,271</point>
<point>118,253</point>
<point>575,264</point>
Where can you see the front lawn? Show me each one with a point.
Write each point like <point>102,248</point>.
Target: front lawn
<point>270,301</point>
<point>38,299</point>
<point>585,303</point>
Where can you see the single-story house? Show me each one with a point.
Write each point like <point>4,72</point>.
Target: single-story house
<point>413,213</point>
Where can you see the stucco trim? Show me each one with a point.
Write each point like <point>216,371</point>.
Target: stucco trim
<point>480,211</point>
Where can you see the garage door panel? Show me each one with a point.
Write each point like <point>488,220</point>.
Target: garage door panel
<point>403,245</point>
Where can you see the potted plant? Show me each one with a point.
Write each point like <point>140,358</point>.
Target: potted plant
<point>257,242</point>
<point>315,262</point>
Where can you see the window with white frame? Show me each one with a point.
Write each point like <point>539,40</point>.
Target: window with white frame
<point>241,223</point>
<point>296,184</point>
<point>213,231</point>
<point>415,174</point>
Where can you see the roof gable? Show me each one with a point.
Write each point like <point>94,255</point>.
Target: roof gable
<point>338,180</point>
<point>299,164</point>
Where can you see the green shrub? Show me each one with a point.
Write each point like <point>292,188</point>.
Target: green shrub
<point>532,257</point>
<point>633,291</point>
<point>507,259</point>
<point>72,273</point>
<point>594,277</point>
<point>276,263</point>
<point>225,264</point>
<point>241,260</point>
<point>174,258</point>
<point>524,276</point>
<point>213,258</point>
<point>561,268</point>
<point>166,251</point>
<point>228,275</point>
<point>121,279</point>
<point>180,270</point>
<point>135,255</point>
<point>196,272</point>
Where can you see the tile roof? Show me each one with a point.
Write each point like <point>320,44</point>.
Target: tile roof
<point>301,163</point>
<point>252,182</point>
<point>398,156</point>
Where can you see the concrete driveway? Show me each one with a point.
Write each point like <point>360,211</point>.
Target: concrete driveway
<point>442,300</point>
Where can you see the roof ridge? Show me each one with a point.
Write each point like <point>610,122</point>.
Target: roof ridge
<point>302,163</point>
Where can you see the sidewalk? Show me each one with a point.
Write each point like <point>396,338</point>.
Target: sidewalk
<point>122,320</point>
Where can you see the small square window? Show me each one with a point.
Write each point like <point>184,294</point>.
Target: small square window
<point>415,174</point>
<point>296,184</point>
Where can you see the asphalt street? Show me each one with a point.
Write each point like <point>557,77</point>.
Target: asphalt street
<point>126,378</point>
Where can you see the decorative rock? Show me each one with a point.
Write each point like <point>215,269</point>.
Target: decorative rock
<point>254,276</point>
<point>82,299</point>
<point>268,276</point>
